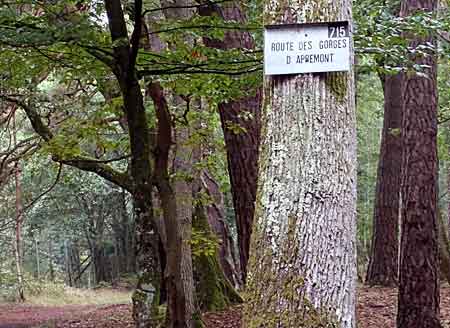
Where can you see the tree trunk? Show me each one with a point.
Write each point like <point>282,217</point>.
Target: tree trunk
<point>147,235</point>
<point>18,221</point>
<point>147,296</point>
<point>181,306</point>
<point>243,148</point>
<point>228,259</point>
<point>74,260</point>
<point>99,261</point>
<point>38,261</point>
<point>214,290</point>
<point>302,268</point>
<point>177,217</point>
<point>50,260</point>
<point>68,264</point>
<point>418,301</point>
<point>383,265</point>
<point>18,237</point>
<point>210,251</point>
<point>444,250</point>
<point>448,196</point>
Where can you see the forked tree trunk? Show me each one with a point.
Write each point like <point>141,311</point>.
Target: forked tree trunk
<point>177,200</point>
<point>383,265</point>
<point>418,301</point>
<point>302,268</point>
<point>176,203</point>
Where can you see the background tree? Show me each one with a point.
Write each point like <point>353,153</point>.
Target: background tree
<point>418,303</point>
<point>242,148</point>
<point>383,264</point>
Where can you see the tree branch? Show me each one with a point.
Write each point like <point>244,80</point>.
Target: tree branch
<point>164,136</point>
<point>81,162</point>
<point>116,20</point>
<point>45,192</point>
<point>136,36</point>
<point>184,7</point>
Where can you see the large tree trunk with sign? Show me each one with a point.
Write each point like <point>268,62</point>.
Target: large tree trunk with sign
<point>302,268</point>
<point>418,302</point>
<point>383,265</point>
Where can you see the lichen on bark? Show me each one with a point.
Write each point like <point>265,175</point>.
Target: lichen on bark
<point>302,269</point>
<point>290,309</point>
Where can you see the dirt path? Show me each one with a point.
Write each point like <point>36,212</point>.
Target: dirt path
<point>19,316</point>
<point>376,308</point>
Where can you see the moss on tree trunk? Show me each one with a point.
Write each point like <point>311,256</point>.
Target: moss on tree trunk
<point>213,289</point>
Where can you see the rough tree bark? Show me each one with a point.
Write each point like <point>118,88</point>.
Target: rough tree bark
<point>147,237</point>
<point>220,292</point>
<point>217,223</point>
<point>302,268</point>
<point>243,148</point>
<point>177,222</point>
<point>383,265</point>
<point>213,288</point>
<point>418,301</point>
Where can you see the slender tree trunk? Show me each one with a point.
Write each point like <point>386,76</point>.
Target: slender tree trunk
<point>418,301</point>
<point>18,237</point>
<point>75,264</point>
<point>18,221</point>
<point>38,262</point>
<point>179,264</point>
<point>177,220</point>
<point>444,250</point>
<point>302,268</point>
<point>383,265</point>
<point>448,195</point>
<point>99,261</point>
<point>50,260</point>
<point>68,263</point>
<point>243,148</point>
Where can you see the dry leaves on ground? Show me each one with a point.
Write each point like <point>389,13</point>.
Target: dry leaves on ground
<point>376,308</point>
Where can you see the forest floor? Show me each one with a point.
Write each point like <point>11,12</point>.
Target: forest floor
<point>376,309</point>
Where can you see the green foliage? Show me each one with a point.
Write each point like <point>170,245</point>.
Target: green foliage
<point>369,124</point>
<point>203,243</point>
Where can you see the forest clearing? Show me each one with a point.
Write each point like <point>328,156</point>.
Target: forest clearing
<point>225,164</point>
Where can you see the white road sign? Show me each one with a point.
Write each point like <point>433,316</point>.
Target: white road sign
<point>291,49</point>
